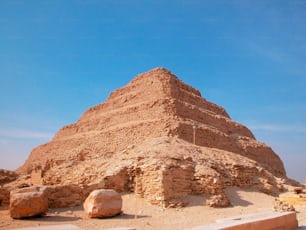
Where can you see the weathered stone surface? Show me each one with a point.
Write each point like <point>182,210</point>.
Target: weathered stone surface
<point>103,203</point>
<point>266,187</point>
<point>141,140</point>
<point>218,201</point>
<point>298,190</point>
<point>4,197</point>
<point>7,176</point>
<point>282,206</point>
<point>36,177</point>
<point>154,104</point>
<point>28,202</point>
<point>60,196</point>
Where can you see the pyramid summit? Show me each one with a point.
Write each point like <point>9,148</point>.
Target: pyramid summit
<point>156,127</point>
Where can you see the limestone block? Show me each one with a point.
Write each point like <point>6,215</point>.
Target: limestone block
<point>28,202</point>
<point>103,203</point>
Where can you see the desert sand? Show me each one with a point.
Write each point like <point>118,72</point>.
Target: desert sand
<point>138,213</point>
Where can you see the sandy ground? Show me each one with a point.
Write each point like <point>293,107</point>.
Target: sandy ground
<point>139,214</point>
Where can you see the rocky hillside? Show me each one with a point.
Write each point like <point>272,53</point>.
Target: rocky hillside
<point>7,176</point>
<point>159,137</point>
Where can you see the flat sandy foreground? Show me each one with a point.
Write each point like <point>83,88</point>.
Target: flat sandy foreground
<point>137,213</point>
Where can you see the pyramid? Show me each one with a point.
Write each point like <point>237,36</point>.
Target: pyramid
<point>157,128</point>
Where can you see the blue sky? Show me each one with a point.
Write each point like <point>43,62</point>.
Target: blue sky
<point>57,58</point>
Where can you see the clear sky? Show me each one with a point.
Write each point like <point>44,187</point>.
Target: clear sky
<point>57,58</point>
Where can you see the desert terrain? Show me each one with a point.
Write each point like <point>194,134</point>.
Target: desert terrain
<point>178,161</point>
<point>139,214</point>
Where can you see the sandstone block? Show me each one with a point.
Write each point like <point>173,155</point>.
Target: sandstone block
<point>28,202</point>
<point>103,203</point>
<point>266,188</point>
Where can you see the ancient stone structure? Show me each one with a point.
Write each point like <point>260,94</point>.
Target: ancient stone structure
<point>159,138</point>
<point>36,177</point>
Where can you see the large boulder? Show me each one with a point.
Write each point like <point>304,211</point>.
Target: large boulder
<point>103,203</point>
<point>28,202</point>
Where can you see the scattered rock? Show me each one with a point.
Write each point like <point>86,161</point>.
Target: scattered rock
<point>70,212</point>
<point>28,202</point>
<point>218,201</point>
<point>266,188</point>
<point>282,206</point>
<point>23,185</point>
<point>103,203</point>
<point>280,187</point>
<point>298,190</point>
<point>177,204</point>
